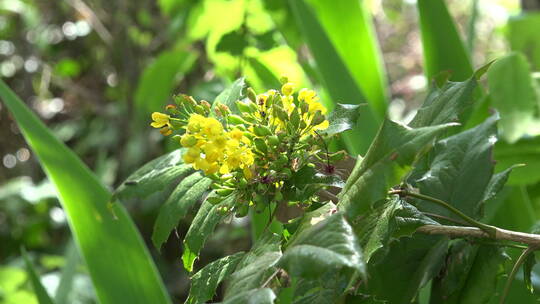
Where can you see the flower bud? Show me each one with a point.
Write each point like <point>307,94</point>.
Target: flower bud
<point>236,120</point>
<point>188,140</point>
<point>273,140</point>
<point>206,105</point>
<point>261,130</point>
<point>318,118</point>
<point>280,113</point>
<point>224,192</point>
<point>251,94</point>
<point>261,145</point>
<point>287,89</point>
<point>214,200</point>
<point>243,107</point>
<point>223,210</point>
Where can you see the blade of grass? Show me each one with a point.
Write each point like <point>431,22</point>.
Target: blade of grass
<point>119,263</point>
<point>41,294</point>
<point>68,273</point>
<point>443,48</point>
<point>357,46</point>
<point>335,77</point>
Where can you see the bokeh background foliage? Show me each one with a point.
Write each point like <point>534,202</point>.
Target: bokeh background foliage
<point>93,71</point>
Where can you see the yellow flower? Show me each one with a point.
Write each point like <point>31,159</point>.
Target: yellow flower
<point>165,131</point>
<point>160,120</point>
<point>212,127</point>
<point>213,153</point>
<point>195,123</point>
<point>322,126</point>
<point>287,89</point>
<point>188,140</point>
<point>236,134</point>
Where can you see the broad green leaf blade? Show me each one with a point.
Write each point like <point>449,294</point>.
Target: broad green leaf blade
<point>357,46</point>
<point>202,226</point>
<point>523,36</point>
<point>158,80</point>
<point>393,219</point>
<point>335,77</point>
<point>443,48</point>
<point>396,146</point>
<point>330,244</point>
<point>525,151</point>
<point>118,261</point>
<point>184,196</point>
<point>40,292</point>
<point>470,276</point>
<point>230,95</point>
<point>323,289</point>
<point>409,264</point>
<point>445,104</point>
<point>205,282</point>
<point>342,118</point>
<point>154,176</point>
<point>256,266</point>
<point>513,95</point>
<point>259,296</point>
<point>459,170</point>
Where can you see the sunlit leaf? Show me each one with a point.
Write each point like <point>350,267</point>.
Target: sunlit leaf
<point>40,292</point>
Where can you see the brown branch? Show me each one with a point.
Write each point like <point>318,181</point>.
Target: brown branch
<point>500,234</point>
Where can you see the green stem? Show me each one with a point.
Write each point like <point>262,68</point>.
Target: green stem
<point>512,275</point>
<point>490,230</point>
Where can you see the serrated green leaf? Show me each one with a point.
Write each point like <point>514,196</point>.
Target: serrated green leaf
<point>394,218</point>
<point>154,176</point>
<point>330,244</point>
<point>202,226</point>
<point>396,146</point>
<point>497,182</point>
<point>230,95</point>
<point>445,104</point>
<point>513,95</point>
<point>206,280</point>
<point>335,77</point>
<point>323,289</point>
<point>256,266</point>
<point>158,80</point>
<point>407,266</point>
<point>260,295</point>
<point>443,48</point>
<point>458,170</point>
<point>109,245</point>
<point>184,196</point>
<point>40,292</point>
<point>470,276</point>
<point>342,118</point>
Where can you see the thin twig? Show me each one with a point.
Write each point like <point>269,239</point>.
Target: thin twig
<point>270,278</point>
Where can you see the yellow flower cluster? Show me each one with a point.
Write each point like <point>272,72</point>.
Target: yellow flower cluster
<point>213,149</point>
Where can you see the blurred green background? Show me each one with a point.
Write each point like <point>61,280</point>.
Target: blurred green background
<point>94,70</point>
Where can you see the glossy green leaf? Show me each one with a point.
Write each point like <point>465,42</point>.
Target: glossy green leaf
<point>109,243</point>
<point>40,292</point>
<point>335,77</point>
<point>409,264</point>
<point>230,95</point>
<point>330,244</point>
<point>342,118</point>
<point>261,295</point>
<point>154,176</point>
<point>256,266</point>
<point>459,170</point>
<point>205,282</point>
<point>158,81</point>
<point>445,104</point>
<point>357,46</point>
<point>513,95</point>
<point>396,146</point>
<point>442,46</point>
<point>184,196</point>
<point>325,288</point>
<point>202,226</point>
<point>470,276</point>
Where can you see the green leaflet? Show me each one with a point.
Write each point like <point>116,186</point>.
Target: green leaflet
<point>154,176</point>
<point>335,77</point>
<point>513,95</point>
<point>342,118</point>
<point>202,226</point>
<point>458,170</point>
<point>158,80</point>
<point>186,194</point>
<point>206,280</point>
<point>259,296</point>
<point>255,267</point>
<point>526,152</point>
<point>409,264</point>
<point>329,244</point>
<point>396,146</point>
<point>443,48</point>
<point>471,275</point>
<point>357,46</point>
<point>110,246</point>
<point>41,294</point>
